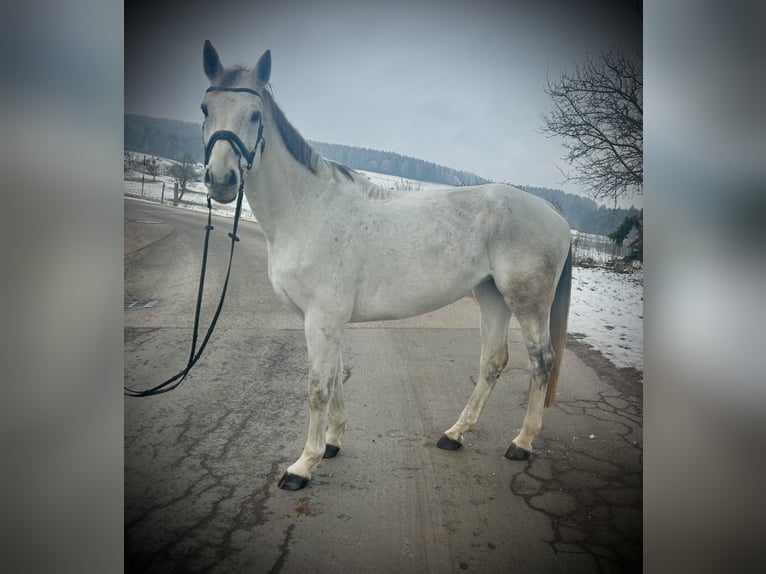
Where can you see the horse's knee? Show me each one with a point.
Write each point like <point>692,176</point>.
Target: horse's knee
<point>322,381</point>
<point>320,393</point>
<point>492,366</point>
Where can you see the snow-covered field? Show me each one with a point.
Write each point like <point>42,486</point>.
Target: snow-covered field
<point>607,313</point>
<point>606,310</point>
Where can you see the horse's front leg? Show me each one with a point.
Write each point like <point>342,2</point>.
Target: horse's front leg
<point>323,338</point>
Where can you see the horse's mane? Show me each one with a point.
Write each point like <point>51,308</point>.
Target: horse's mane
<point>305,154</point>
<point>298,147</point>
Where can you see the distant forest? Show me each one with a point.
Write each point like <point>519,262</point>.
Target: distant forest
<point>166,138</point>
<point>173,139</point>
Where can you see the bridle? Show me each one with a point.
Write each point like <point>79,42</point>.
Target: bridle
<point>249,155</point>
<point>236,142</point>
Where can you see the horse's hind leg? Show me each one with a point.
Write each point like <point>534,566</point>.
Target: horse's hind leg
<point>495,316</point>
<point>535,327</point>
<point>336,415</point>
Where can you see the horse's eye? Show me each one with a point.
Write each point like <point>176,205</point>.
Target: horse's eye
<point>256,117</point>
<point>203,107</point>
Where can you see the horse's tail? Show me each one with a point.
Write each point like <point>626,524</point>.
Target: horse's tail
<point>558,326</point>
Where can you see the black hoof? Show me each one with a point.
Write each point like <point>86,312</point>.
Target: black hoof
<point>292,482</point>
<point>447,443</point>
<point>517,453</point>
<point>331,451</point>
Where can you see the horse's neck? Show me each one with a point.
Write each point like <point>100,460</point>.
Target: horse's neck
<point>286,196</point>
<point>283,193</point>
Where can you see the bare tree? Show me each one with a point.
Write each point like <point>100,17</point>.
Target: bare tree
<point>598,110</point>
<point>152,166</point>
<point>127,163</point>
<point>184,172</point>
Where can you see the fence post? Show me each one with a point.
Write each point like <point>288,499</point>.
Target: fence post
<point>175,193</point>
<point>162,196</point>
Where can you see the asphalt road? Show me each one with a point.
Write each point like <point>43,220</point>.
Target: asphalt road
<point>202,462</point>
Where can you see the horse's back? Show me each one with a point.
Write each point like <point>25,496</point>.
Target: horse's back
<point>427,249</point>
<point>513,220</point>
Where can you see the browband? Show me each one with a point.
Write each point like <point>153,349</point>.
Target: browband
<point>220,89</point>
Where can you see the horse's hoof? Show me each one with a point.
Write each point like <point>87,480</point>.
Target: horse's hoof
<point>447,443</point>
<point>292,482</point>
<point>331,451</point>
<point>517,453</point>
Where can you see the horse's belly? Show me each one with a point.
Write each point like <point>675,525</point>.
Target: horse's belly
<point>384,311</point>
<point>407,293</point>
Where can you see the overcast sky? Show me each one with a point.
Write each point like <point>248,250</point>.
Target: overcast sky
<point>456,83</point>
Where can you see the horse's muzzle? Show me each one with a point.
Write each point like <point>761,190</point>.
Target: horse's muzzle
<point>222,188</point>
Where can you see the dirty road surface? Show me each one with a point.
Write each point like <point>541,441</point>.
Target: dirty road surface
<point>202,462</point>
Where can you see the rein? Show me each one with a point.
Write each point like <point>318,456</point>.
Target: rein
<point>241,150</point>
<point>195,353</point>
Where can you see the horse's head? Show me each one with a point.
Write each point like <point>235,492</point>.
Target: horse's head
<point>233,126</point>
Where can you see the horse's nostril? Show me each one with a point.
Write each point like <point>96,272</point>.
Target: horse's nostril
<point>232,179</point>
<point>207,176</point>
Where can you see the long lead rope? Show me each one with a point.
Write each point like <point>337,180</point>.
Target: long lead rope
<point>249,155</point>
<point>195,353</point>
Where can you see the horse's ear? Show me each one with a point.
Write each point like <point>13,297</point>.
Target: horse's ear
<point>211,62</point>
<point>263,69</point>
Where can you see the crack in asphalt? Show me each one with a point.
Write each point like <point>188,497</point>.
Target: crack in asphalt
<point>213,510</point>
<point>593,503</point>
<point>175,548</point>
<point>284,550</point>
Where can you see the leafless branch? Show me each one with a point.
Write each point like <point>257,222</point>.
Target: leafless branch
<point>598,111</point>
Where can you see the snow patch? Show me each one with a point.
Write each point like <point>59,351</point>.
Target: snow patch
<point>607,313</point>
